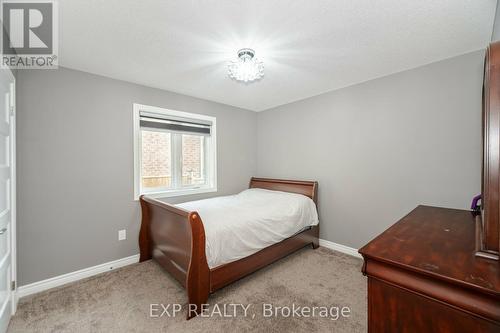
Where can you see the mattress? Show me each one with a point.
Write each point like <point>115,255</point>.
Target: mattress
<point>240,225</point>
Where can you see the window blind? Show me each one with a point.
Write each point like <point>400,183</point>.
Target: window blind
<point>176,124</point>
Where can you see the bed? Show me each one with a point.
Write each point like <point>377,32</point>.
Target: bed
<point>204,261</point>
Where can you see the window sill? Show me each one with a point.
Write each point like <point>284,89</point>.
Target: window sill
<point>178,193</point>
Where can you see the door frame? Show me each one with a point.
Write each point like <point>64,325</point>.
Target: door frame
<point>13,194</point>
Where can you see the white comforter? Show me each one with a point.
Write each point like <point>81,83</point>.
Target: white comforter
<point>239,225</point>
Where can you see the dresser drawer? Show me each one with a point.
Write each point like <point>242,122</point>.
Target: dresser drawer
<point>392,309</point>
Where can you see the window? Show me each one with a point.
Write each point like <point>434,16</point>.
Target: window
<point>174,152</point>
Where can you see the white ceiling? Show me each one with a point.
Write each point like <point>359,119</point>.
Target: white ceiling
<point>308,46</point>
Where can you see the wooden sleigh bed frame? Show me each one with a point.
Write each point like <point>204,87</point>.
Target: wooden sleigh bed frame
<point>175,238</point>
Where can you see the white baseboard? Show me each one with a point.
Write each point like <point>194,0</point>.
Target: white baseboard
<point>60,280</point>
<point>339,247</point>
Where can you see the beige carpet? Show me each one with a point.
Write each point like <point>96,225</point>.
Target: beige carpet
<point>119,301</point>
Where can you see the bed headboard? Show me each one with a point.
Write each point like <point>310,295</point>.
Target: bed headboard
<point>307,188</point>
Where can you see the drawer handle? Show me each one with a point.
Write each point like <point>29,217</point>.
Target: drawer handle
<point>2,231</point>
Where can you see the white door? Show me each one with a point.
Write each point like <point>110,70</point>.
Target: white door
<point>7,197</point>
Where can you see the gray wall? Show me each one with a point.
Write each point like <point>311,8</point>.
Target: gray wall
<point>496,27</point>
<point>75,166</point>
<point>380,148</point>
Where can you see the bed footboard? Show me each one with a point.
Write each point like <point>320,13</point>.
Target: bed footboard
<point>175,238</point>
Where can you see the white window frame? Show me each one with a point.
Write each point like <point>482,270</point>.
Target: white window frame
<point>210,154</point>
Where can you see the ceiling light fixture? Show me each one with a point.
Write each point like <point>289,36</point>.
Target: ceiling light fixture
<point>246,68</point>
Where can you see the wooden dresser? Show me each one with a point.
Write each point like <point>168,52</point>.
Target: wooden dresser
<point>424,276</point>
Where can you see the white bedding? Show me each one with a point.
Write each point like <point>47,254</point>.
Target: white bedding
<point>237,226</point>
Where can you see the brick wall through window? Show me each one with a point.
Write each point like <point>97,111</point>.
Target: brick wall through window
<point>157,155</point>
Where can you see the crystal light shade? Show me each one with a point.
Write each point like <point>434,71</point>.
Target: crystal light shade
<point>246,68</point>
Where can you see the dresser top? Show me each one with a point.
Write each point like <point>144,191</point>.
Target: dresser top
<point>439,243</point>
